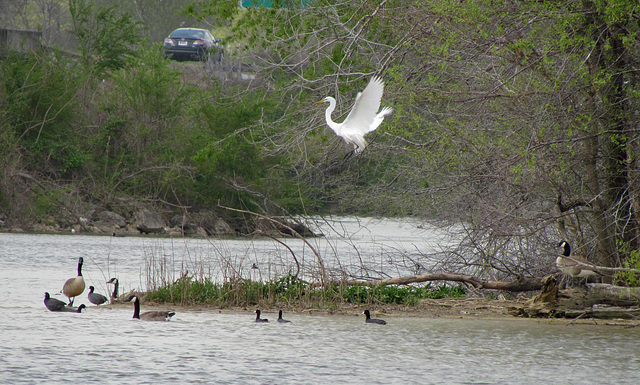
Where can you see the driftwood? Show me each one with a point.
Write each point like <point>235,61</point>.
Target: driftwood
<point>520,284</point>
<point>595,300</point>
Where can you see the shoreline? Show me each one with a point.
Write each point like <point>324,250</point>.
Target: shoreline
<point>448,308</point>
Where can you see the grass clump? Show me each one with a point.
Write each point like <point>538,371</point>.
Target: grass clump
<point>291,291</point>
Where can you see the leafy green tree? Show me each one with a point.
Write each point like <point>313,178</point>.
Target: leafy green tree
<point>107,40</point>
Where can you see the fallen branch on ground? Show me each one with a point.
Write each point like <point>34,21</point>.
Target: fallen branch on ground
<point>520,284</point>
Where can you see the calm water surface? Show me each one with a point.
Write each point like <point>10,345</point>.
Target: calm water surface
<point>106,346</point>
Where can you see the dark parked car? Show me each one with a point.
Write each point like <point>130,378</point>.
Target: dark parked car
<point>192,44</point>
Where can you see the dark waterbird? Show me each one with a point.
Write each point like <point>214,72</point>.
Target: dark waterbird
<point>280,319</point>
<point>258,319</point>
<point>370,320</point>
<point>95,298</point>
<point>56,305</point>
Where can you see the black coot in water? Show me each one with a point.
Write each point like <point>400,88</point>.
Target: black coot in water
<point>53,304</point>
<point>258,319</point>
<point>96,298</point>
<point>280,319</point>
<point>370,320</point>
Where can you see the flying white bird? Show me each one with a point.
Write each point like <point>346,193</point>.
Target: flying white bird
<point>364,116</point>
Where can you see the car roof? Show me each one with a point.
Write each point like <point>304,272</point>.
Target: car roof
<point>190,29</point>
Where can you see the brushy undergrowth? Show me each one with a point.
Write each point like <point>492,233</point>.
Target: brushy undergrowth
<point>291,291</point>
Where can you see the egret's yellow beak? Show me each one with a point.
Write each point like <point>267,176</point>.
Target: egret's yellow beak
<point>320,101</point>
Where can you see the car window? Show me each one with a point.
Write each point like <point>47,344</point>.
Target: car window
<point>188,33</point>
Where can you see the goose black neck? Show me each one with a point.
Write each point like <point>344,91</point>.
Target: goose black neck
<point>566,249</point>
<point>136,308</point>
<point>115,290</point>
<point>80,261</point>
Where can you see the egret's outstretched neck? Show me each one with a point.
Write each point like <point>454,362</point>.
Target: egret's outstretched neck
<point>329,111</point>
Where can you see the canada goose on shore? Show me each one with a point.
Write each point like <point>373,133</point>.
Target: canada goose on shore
<point>154,315</point>
<point>95,298</point>
<point>114,295</point>
<point>54,304</point>
<point>370,320</point>
<point>73,287</point>
<point>258,319</point>
<point>573,265</point>
<point>280,319</point>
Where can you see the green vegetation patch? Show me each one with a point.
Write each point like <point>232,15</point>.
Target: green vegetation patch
<point>294,292</point>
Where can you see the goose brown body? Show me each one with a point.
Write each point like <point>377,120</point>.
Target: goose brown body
<point>573,265</point>
<point>73,287</point>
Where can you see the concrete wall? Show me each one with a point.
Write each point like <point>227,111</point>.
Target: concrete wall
<point>19,41</point>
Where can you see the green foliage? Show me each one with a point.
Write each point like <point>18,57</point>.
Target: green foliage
<point>108,40</point>
<point>38,99</point>
<point>632,262</point>
<point>290,290</point>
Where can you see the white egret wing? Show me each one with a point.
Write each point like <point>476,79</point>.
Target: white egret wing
<point>365,108</point>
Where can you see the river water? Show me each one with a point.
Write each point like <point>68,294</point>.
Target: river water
<point>106,346</point>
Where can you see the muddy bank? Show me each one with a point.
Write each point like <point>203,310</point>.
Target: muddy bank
<point>450,308</point>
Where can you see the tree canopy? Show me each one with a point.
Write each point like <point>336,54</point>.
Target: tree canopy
<point>515,120</point>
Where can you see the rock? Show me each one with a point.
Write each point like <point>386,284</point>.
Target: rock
<point>148,219</point>
<point>108,221</point>
<point>213,224</point>
<point>184,224</point>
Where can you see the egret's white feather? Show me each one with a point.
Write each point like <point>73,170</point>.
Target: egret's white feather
<point>363,117</point>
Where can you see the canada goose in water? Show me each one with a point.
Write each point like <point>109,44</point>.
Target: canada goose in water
<point>95,298</point>
<point>280,319</point>
<point>73,309</point>
<point>258,319</point>
<point>573,265</point>
<point>370,320</point>
<point>155,315</point>
<point>73,287</point>
<point>54,304</point>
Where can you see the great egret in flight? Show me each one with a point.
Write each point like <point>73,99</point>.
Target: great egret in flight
<point>364,116</point>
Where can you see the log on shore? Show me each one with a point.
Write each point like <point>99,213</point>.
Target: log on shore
<point>593,301</point>
<point>520,284</point>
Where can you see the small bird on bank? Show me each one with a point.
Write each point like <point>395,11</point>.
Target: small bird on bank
<point>56,305</point>
<point>363,117</point>
<point>258,319</point>
<point>370,320</point>
<point>154,315</point>
<point>280,319</point>
<point>73,287</point>
<point>95,298</point>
